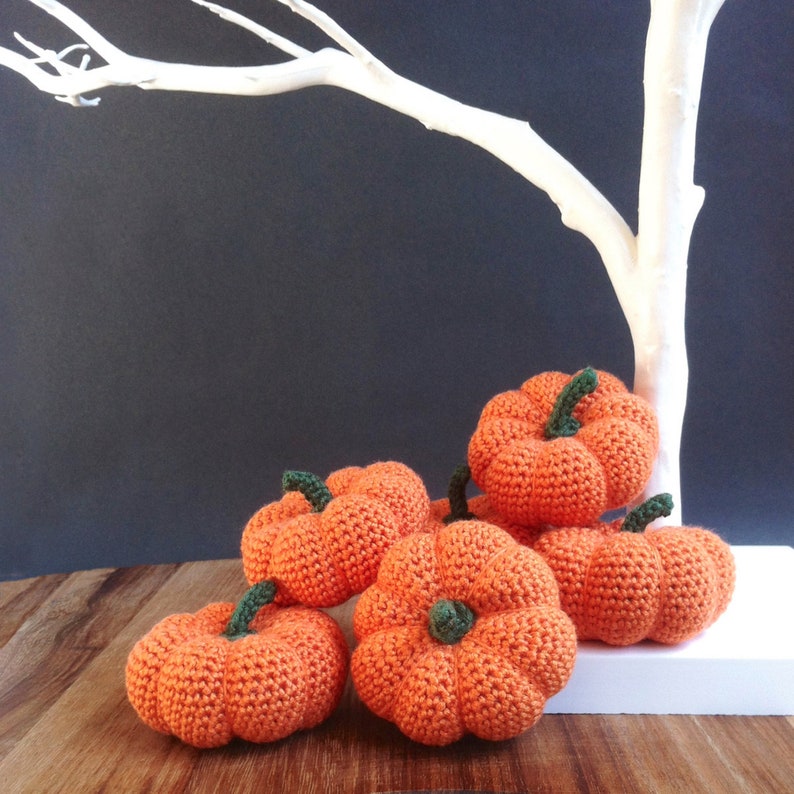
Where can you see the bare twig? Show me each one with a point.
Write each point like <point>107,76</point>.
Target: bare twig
<point>96,41</point>
<point>283,44</point>
<point>332,29</point>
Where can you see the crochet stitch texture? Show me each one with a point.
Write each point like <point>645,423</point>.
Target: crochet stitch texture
<point>461,633</point>
<point>456,506</point>
<point>544,455</point>
<point>621,587</point>
<point>322,554</point>
<point>186,678</point>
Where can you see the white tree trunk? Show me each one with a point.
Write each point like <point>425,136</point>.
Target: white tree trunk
<point>648,272</point>
<point>669,203</point>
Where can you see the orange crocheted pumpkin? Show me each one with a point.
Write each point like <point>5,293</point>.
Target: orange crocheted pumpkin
<point>457,507</point>
<point>622,583</point>
<point>228,672</point>
<point>322,543</point>
<point>461,633</point>
<point>563,450</point>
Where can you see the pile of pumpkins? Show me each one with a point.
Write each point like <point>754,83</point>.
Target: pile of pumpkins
<point>469,610</point>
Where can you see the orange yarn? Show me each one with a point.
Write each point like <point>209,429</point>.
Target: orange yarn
<point>666,584</point>
<point>187,679</point>
<point>482,509</point>
<point>600,461</point>
<point>461,633</point>
<point>322,558</point>
<point>456,506</point>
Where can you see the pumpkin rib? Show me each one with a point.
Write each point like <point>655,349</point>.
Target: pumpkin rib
<point>522,481</point>
<point>417,654</point>
<point>552,496</point>
<point>275,655</point>
<point>498,480</point>
<point>515,579</point>
<point>623,476</point>
<point>372,528</point>
<point>443,575</point>
<point>376,599</point>
<point>320,645</point>
<point>504,659</point>
<point>578,566</point>
<point>624,406</point>
<point>340,569</point>
<point>413,679</point>
<point>531,675</point>
<point>395,481</point>
<point>414,597</point>
<point>485,570</point>
<point>605,554</point>
<point>147,662</point>
<point>664,586</point>
<point>472,709</point>
<point>179,694</point>
<point>299,548</point>
<point>543,389</point>
<point>700,561</point>
<point>724,567</point>
<point>459,696</point>
<point>281,645</point>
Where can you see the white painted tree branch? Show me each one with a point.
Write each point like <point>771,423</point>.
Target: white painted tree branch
<point>285,45</point>
<point>669,203</point>
<point>513,141</point>
<point>331,29</point>
<point>648,272</point>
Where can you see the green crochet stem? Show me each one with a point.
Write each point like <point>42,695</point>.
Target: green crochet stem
<point>314,490</point>
<point>561,422</point>
<point>651,509</point>
<point>458,504</point>
<point>450,621</point>
<point>256,597</point>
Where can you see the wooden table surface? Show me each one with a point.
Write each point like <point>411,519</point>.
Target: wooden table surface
<point>66,725</point>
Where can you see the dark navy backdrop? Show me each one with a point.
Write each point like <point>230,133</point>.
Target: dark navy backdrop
<point>199,292</point>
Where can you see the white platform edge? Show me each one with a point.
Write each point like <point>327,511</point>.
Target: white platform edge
<point>743,664</point>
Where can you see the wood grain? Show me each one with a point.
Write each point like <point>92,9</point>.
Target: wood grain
<point>65,724</point>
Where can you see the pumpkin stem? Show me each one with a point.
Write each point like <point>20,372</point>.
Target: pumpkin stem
<point>561,421</point>
<point>456,493</point>
<point>256,597</point>
<point>314,490</point>
<point>651,509</point>
<point>450,621</point>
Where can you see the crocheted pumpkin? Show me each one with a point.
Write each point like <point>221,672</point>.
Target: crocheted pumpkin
<point>461,633</point>
<point>622,583</point>
<point>322,543</point>
<point>563,450</point>
<point>457,507</point>
<point>228,672</point>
